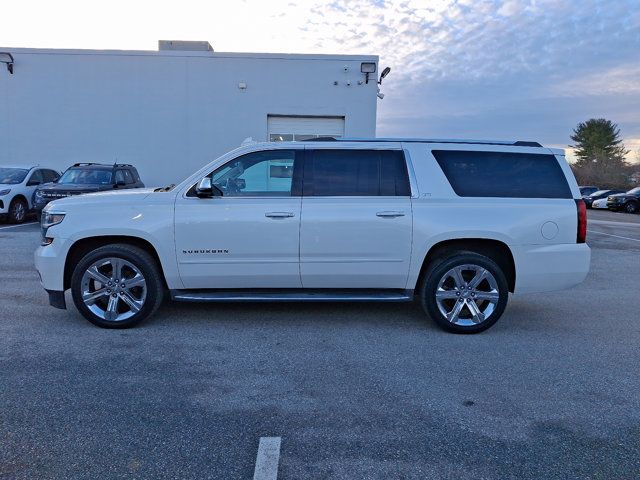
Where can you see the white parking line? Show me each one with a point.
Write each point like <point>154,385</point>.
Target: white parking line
<point>617,236</point>
<point>614,224</point>
<point>17,225</point>
<point>267,459</point>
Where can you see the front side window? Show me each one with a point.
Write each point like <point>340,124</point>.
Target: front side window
<point>503,174</point>
<point>86,176</point>
<point>12,176</point>
<point>333,173</point>
<point>36,178</point>
<point>258,174</point>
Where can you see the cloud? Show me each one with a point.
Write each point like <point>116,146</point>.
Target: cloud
<point>530,68</point>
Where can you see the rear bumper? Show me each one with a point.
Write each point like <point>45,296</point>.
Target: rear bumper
<point>39,205</point>
<point>545,268</point>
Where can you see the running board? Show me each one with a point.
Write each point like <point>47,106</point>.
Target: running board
<point>302,295</point>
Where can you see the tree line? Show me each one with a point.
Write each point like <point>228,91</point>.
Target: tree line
<point>601,155</point>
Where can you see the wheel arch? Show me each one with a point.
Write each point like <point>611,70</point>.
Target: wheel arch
<point>20,196</point>
<point>497,250</point>
<point>85,245</point>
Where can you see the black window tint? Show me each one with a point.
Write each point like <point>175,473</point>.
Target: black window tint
<point>503,174</point>
<point>394,180</point>
<point>50,176</point>
<point>356,173</point>
<point>36,178</point>
<point>119,176</point>
<point>128,178</point>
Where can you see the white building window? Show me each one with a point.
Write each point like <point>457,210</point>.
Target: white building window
<point>300,128</point>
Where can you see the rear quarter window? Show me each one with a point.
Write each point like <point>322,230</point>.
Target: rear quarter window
<point>503,174</point>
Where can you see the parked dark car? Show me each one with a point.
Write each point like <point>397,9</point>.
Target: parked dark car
<point>588,199</point>
<point>87,178</point>
<point>588,190</point>
<point>628,202</point>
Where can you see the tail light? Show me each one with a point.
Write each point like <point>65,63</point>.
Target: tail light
<point>582,221</point>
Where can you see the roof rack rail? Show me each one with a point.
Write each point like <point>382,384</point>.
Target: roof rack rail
<point>123,165</point>
<point>80,164</point>
<point>524,143</point>
<point>517,143</point>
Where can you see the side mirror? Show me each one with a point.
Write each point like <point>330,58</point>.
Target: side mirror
<point>33,183</point>
<point>206,189</point>
<point>120,183</point>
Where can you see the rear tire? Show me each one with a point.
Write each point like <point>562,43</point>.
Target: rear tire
<point>117,286</point>
<point>465,292</point>
<point>17,210</point>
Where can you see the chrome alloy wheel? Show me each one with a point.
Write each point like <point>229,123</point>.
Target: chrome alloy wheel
<point>467,295</point>
<point>19,212</point>
<point>113,289</point>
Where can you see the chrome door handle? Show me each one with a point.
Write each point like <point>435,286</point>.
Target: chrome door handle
<point>390,214</point>
<point>279,214</point>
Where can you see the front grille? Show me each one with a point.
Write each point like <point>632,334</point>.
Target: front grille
<point>54,195</point>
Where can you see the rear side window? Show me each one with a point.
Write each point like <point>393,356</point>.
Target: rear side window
<point>334,173</point>
<point>128,178</point>
<point>503,174</point>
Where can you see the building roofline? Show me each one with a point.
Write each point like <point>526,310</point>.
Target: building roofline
<point>188,53</point>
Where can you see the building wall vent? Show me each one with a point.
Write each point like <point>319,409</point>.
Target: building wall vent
<point>185,45</point>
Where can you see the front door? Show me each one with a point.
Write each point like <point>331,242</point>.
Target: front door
<point>249,236</point>
<point>356,225</point>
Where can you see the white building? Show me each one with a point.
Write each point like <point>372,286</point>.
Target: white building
<point>170,111</point>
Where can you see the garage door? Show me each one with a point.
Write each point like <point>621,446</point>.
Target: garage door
<point>283,128</point>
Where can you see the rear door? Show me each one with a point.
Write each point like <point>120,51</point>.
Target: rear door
<point>356,225</point>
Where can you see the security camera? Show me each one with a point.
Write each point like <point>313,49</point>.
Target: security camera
<point>345,68</point>
<point>380,95</point>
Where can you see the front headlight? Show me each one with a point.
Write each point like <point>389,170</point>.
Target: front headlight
<point>49,219</point>
<point>5,191</point>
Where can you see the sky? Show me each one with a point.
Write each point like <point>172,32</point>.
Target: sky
<point>481,69</point>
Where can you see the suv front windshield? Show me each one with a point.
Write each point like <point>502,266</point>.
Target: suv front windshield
<point>12,176</point>
<point>634,191</point>
<point>86,176</point>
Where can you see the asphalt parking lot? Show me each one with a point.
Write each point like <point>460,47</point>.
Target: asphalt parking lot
<point>353,391</point>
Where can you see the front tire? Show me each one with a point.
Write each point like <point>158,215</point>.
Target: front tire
<point>117,286</point>
<point>465,292</point>
<point>631,207</point>
<point>18,210</point>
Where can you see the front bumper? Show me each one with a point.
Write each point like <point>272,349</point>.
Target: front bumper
<point>49,261</point>
<point>38,205</point>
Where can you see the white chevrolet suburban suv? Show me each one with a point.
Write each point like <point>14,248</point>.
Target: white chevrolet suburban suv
<point>455,224</point>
